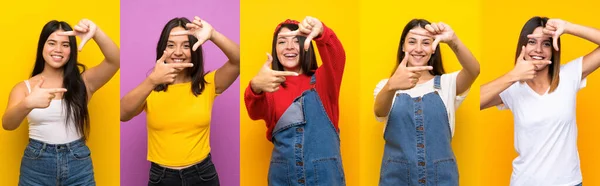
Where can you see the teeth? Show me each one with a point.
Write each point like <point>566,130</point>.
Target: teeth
<point>537,57</point>
<point>57,57</point>
<point>178,60</point>
<point>290,55</point>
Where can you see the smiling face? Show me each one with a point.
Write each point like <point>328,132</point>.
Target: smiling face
<point>539,48</point>
<point>57,50</point>
<point>178,48</point>
<point>288,51</point>
<point>418,47</point>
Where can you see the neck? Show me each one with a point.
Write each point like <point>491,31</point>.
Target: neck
<point>297,70</point>
<point>541,79</point>
<point>425,76</point>
<point>51,73</point>
<point>182,78</point>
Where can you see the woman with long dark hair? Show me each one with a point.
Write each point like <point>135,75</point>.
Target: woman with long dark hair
<point>54,101</point>
<point>178,96</point>
<point>418,104</point>
<point>299,102</point>
<point>541,94</point>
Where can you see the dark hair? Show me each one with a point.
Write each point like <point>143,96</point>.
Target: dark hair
<point>197,71</point>
<point>554,68</point>
<point>308,60</point>
<point>76,96</point>
<point>436,58</point>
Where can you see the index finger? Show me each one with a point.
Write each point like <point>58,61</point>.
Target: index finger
<point>57,90</point>
<point>418,69</point>
<point>66,33</point>
<point>180,33</point>
<point>541,62</point>
<point>287,34</point>
<point>284,73</point>
<point>180,65</point>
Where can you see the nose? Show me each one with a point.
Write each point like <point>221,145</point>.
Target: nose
<point>538,48</point>
<point>289,45</point>
<point>419,48</point>
<point>178,51</point>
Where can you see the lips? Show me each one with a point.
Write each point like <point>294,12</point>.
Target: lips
<point>418,57</point>
<point>57,58</point>
<point>290,55</point>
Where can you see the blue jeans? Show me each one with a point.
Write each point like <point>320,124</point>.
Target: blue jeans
<point>56,164</point>
<point>203,173</point>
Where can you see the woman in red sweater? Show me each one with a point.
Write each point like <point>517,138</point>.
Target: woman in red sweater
<point>299,102</point>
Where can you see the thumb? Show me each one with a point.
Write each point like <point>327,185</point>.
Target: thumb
<point>269,61</point>
<point>404,61</point>
<point>162,58</point>
<point>435,43</point>
<point>522,54</point>
<point>309,38</point>
<point>39,85</point>
<point>84,40</point>
<point>555,41</point>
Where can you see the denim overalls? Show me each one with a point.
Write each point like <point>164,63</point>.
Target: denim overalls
<point>417,142</point>
<point>306,145</point>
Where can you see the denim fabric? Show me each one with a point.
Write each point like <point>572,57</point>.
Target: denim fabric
<point>417,142</point>
<point>306,145</point>
<point>201,174</point>
<point>56,164</point>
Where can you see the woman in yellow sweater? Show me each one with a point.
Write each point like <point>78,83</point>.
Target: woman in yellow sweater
<point>178,96</point>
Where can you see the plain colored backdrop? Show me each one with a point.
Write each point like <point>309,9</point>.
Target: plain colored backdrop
<point>142,22</point>
<point>22,23</point>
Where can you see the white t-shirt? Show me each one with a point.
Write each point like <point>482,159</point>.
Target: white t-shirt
<point>546,131</point>
<point>447,93</point>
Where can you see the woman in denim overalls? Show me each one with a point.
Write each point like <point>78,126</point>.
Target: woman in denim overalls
<point>418,101</point>
<point>299,103</point>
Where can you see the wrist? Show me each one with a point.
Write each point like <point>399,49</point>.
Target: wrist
<point>254,87</point>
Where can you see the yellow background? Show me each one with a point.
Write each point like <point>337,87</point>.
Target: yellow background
<point>381,27</point>
<point>258,21</point>
<point>22,23</point>
<point>503,21</point>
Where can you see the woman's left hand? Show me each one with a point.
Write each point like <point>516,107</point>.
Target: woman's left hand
<point>199,29</point>
<point>310,27</point>
<point>85,30</point>
<point>441,32</point>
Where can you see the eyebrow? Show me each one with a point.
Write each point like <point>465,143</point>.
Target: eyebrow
<point>171,41</point>
<point>417,39</point>
<point>52,40</point>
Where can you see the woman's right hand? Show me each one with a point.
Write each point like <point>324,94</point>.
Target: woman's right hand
<point>524,69</point>
<point>164,73</point>
<point>406,77</point>
<point>41,97</point>
<point>268,80</point>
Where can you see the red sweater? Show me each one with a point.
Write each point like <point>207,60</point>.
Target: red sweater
<point>270,106</point>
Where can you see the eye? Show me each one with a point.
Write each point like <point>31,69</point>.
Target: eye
<point>280,42</point>
<point>170,46</point>
<point>531,42</point>
<point>426,42</point>
<point>411,42</point>
<point>66,45</point>
<point>186,46</point>
<point>547,44</point>
<point>51,44</point>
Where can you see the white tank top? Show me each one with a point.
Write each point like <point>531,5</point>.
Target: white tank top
<point>48,124</point>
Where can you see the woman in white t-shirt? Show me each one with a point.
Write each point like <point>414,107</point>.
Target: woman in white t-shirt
<point>541,95</point>
<point>418,102</point>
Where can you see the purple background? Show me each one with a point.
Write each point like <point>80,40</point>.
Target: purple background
<point>141,24</point>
